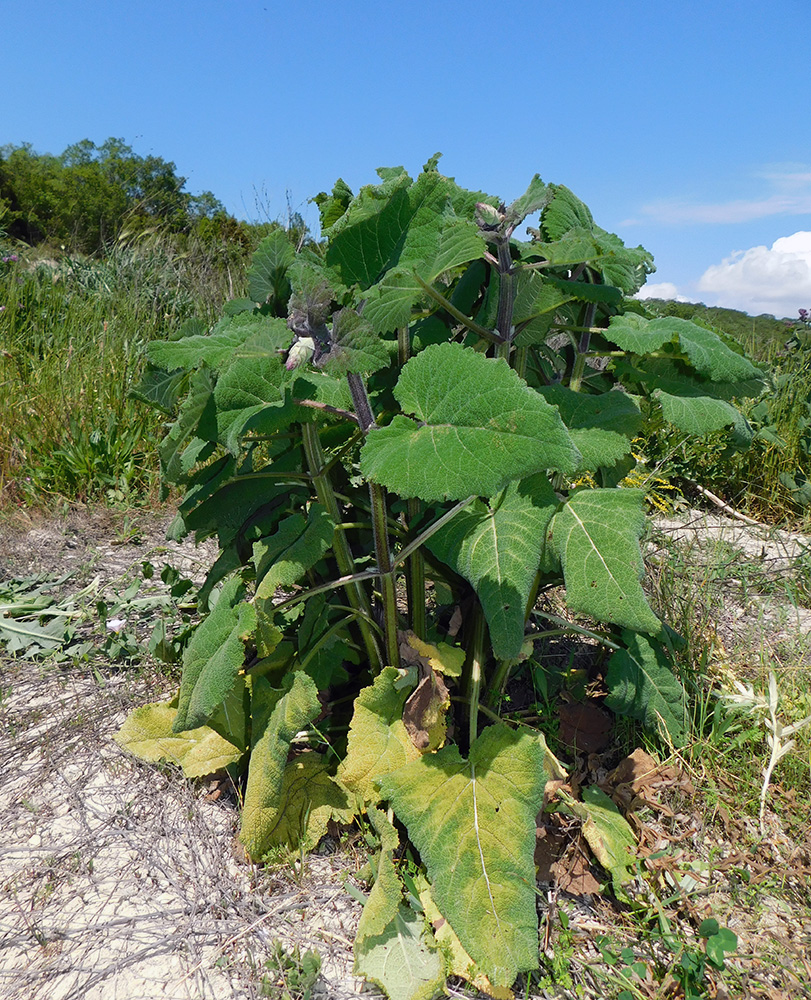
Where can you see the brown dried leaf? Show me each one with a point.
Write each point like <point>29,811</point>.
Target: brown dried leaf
<point>584,726</point>
<point>575,877</point>
<point>424,712</point>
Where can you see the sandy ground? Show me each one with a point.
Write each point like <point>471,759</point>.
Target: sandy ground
<point>121,881</point>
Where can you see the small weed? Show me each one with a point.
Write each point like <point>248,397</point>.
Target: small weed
<point>291,974</point>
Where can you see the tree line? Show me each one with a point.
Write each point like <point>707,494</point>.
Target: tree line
<point>89,195</point>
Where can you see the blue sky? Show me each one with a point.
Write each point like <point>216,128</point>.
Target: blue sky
<point>685,126</point>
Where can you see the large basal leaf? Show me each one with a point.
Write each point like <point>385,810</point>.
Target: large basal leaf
<point>473,822</point>
<point>600,426</point>
<point>214,657</point>
<point>308,800</point>
<point>641,684</point>
<point>498,549</point>
<point>277,717</point>
<point>473,426</point>
<point>596,535</point>
<point>147,733</point>
<point>378,740</point>
<point>459,962</point>
<point>283,558</point>
<point>267,275</point>
<point>392,948</point>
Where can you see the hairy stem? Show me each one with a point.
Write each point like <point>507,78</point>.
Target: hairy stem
<point>355,594</point>
<point>477,657</point>
<point>377,496</point>
<point>416,579</point>
<point>506,293</point>
<point>384,564</point>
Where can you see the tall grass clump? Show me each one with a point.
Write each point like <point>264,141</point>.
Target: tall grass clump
<point>767,476</point>
<point>73,332</point>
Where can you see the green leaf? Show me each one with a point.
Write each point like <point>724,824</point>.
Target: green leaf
<point>473,822</point>
<point>19,635</point>
<point>267,275</point>
<point>459,962</point>
<point>240,502</point>
<point>308,800</point>
<point>625,267</point>
<point>196,419</point>
<point>608,834</point>
<point>536,302</point>
<point>216,349</point>
<point>246,389</point>
<point>705,350</point>
<point>709,355</point>
<point>160,388</point>
<point>585,291</point>
<point>536,197</point>
<point>498,549</point>
<point>363,241</point>
<point>391,949</point>
<point>719,944</point>
<point>332,206</point>
<point>214,656</point>
<point>564,212</point>
<point>596,535</point>
<point>233,307</point>
<point>147,733</point>
<point>354,346</point>
<point>378,740</point>
<point>642,685</point>
<point>700,415</point>
<point>474,426</point>
<point>278,715</point>
<point>601,426</point>
<point>283,558</point>
<point>441,244</point>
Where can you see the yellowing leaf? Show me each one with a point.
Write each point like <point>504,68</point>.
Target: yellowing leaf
<point>147,733</point>
<point>473,822</point>
<point>608,833</point>
<point>308,800</point>
<point>445,659</point>
<point>277,716</point>
<point>391,946</point>
<point>378,741</point>
<point>461,964</point>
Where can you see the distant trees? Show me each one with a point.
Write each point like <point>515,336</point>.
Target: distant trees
<point>89,194</point>
<point>756,333</point>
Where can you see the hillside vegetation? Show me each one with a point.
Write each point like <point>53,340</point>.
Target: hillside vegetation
<point>758,334</point>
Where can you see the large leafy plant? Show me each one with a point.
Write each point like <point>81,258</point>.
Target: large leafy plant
<point>399,438</point>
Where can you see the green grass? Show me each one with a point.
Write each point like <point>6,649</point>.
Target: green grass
<point>72,343</point>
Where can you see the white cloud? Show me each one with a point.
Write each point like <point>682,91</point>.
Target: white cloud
<point>790,195</point>
<point>661,290</point>
<point>774,279</point>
